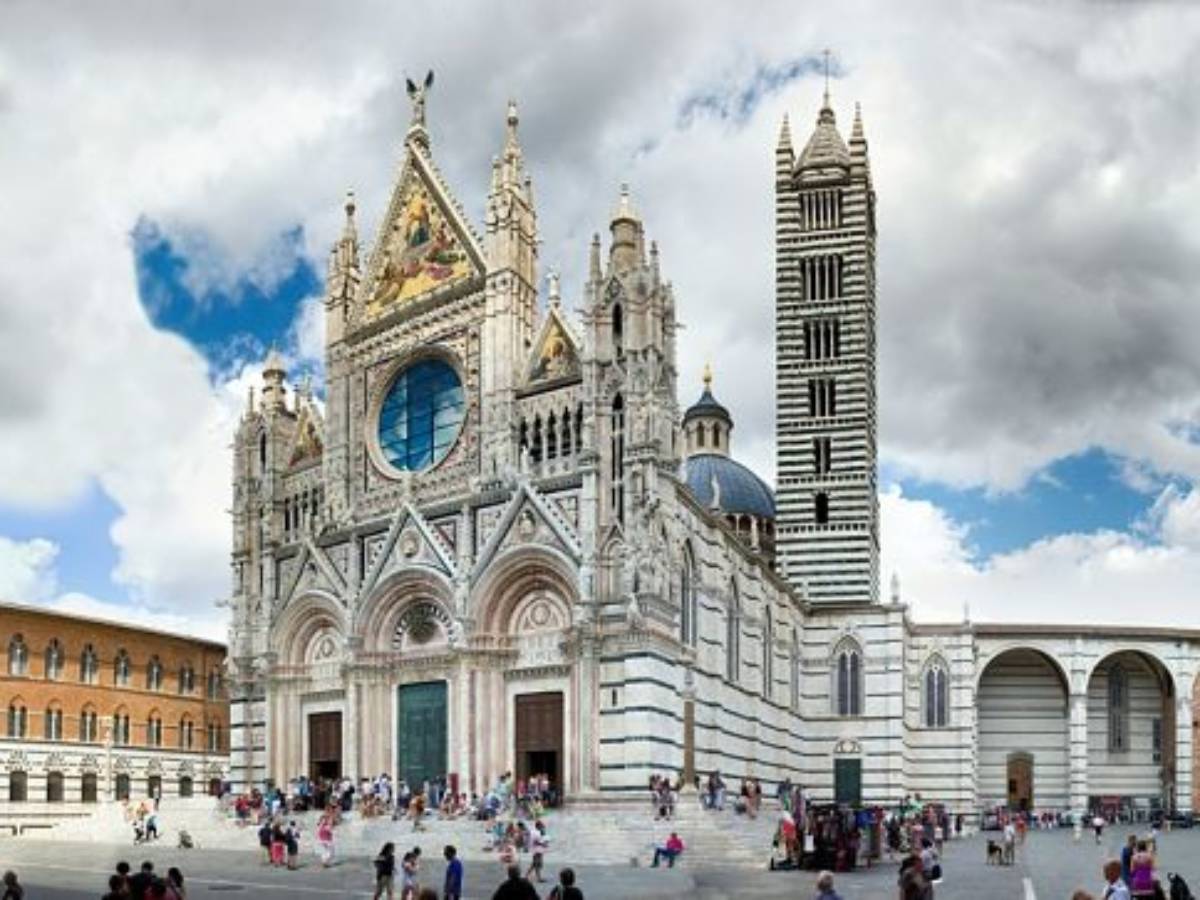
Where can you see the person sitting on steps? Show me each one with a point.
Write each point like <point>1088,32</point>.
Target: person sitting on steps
<point>671,849</point>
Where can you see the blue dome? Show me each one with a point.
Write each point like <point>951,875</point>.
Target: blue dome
<point>741,490</point>
<point>707,405</point>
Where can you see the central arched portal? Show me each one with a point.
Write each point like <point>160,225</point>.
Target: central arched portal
<point>1024,748</point>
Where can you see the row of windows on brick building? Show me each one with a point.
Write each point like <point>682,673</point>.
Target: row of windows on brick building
<point>89,786</point>
<point>122,730</point>
<point>54,664</point>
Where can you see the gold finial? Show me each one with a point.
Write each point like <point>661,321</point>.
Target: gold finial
<point>707,376</point>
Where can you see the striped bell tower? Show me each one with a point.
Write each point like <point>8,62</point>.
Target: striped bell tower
<point>827,526</point>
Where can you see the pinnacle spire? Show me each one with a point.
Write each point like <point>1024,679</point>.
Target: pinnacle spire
<point>707,376</point>
<point>785,135</point>
<point>825,104</point>
<point>553,290</point>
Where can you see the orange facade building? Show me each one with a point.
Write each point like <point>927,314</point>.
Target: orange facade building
<point>93,710</point>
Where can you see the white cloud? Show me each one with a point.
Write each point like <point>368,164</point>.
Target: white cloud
<point>1037,259</point>
<point>27,570</point>
<point>1100,577</point>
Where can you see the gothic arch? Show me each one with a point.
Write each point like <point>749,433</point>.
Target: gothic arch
<point>395,596</point>
<point>1046,653</point>
<point>514,575</point>
<point>302,620</point>
<point>935,691</point>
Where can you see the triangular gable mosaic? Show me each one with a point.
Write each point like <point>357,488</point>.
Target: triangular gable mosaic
<point>555,354</point>
<point>423,245</point>
<point>306,446</point>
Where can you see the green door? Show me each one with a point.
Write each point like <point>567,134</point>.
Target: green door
<point>847,781</point>
<point>421,737</point>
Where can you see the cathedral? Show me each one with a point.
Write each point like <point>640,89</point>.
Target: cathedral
<point>500,544</point>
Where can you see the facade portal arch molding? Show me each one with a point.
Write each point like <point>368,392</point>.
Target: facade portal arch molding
<point>514,575</point>
<point>302,619</point>
<point>396,597</point>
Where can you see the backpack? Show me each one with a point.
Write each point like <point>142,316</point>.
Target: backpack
<point>1179,887</point>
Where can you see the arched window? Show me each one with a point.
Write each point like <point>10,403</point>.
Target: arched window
<point>1118,709</point>
<point>18,656</point>
<point>936,695</point>
<point>732,631</point>
<point>53,660</point>
<point>154,674</point>
<point>262,452</point>
<point>700,435</point>
<point>187,679</point>
<point>52,723</point>
<point>214,737</point>
<point>535,448</point>
<point>18,719</point>
<point>89,787</point>
<point>89,665</point>
<point>847,678</point>
<point>121,669</point>
<point>618,326</point>
<point>89,726</point>
<point>795,672</point>
<point>187,733</point>
<point>688,624</point>
<point>120,727</point>
<point>18,787</point>
<point>214,685</point>
<point>618,458</point>
<point>154,730</point>
<point>716,436</point>
<point>768,654</point>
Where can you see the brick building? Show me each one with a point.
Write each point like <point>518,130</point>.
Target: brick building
<point>94,710</point>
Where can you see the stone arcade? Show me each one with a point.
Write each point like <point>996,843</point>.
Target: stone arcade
<point>500,545</point>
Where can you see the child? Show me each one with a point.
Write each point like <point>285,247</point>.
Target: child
<point>325,839</point>
<point>292,839</point>
<point>278,844</point>
<point>385,872</point>
<point>264,840</point>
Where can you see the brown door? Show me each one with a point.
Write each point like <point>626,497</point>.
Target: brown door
<point>1020,782</point>
<point>325,745</point>
<point>539,736</point>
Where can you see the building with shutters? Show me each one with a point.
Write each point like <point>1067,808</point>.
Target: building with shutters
<point>499,545</point>
<point>94,710</point>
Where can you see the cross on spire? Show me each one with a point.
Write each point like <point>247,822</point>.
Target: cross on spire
<point>825,52</point>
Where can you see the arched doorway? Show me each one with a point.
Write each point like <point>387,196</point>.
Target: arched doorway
<point>18,787</point>
<point>1131,736</point>
<point>1022,731</point>
<point>88,787</point>
<point>54,787</point>
<point>122,786</point>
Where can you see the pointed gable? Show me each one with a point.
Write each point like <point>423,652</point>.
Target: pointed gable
<point>307,442</point>
<point>425,248</point>
<point>555,354</point>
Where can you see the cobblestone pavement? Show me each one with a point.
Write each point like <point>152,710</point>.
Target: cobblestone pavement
<point>1052,863</point>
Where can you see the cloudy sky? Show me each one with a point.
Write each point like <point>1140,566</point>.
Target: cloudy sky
<point>172,173</point>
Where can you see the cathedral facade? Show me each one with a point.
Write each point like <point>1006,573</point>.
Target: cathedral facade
<point>500,545</point>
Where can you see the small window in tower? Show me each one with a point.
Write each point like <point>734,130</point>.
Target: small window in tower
<point>700,435</point>
<point>618,331</point>
<point>262,450</point>
<point>717,436</point>
<point>821,508</point>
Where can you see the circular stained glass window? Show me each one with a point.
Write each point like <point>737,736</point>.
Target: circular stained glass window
<point>421,415</point>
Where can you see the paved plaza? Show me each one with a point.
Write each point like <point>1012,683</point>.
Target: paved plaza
<point>1049,867</point>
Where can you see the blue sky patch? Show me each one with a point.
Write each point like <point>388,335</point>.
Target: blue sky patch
<point>1080,493</point>
<point>737,102</point>
<point>226,326</point>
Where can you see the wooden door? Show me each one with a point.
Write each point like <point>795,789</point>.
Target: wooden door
<point>1020,781</point>
<point>422,729</point>
<point>539,736</point>
<point>325,745</point>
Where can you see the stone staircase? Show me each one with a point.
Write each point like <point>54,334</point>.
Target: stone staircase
<point>621,834</point>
